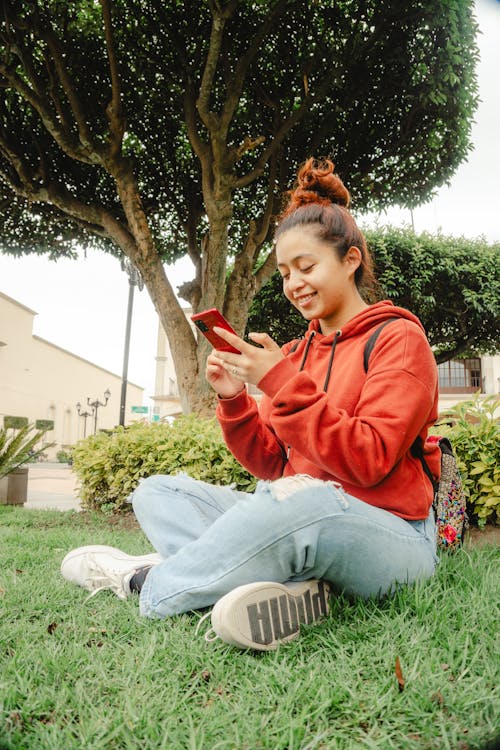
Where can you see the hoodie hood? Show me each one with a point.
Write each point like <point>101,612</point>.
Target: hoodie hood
<point>367,319</point>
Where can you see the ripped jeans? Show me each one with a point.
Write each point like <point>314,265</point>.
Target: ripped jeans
<point>216,538</point>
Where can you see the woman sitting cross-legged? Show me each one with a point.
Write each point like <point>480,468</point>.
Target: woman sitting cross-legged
<point>343,504</point>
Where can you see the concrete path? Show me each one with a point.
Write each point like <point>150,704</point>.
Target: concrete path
<point>52,486</point>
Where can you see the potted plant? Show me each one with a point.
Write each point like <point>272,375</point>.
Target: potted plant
<point>16,450</point>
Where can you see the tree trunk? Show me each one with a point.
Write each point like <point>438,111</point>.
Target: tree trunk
<point>188,357</point>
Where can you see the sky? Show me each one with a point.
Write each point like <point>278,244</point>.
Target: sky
<point>81,305</point>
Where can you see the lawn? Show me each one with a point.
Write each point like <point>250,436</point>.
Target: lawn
<point>94,675</point>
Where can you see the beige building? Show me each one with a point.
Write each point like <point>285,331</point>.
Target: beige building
<point>458,379</point>
<point>41,381</point>
<point>166,401</point>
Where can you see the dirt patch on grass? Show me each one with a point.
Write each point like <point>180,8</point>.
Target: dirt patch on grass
<point>479,537</point>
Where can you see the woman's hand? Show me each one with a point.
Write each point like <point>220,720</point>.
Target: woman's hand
<point>226,372</point>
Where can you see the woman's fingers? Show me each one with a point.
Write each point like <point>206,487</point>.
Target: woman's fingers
<point>231,338</point>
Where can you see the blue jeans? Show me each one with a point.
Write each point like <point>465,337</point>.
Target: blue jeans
<point>216,538</point>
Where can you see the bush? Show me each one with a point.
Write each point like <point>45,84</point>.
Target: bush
<point>110,465</point>
<point>44,424</point>
<point>15,423</point>
<point>63,457</point>
<point>475,436</point>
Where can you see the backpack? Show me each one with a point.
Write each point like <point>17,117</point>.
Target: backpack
<point>449,502</point>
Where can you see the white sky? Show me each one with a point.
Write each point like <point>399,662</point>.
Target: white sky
<point>82,304</point>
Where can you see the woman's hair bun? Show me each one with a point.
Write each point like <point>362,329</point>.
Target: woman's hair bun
<point>317,183</point>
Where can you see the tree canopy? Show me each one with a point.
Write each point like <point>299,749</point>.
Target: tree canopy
<point>155,129</point>
<point>452,284</point>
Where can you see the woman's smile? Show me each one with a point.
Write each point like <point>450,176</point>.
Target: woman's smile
<point>304,299</point>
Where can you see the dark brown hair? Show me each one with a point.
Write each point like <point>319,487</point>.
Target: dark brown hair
<point>320,200</point>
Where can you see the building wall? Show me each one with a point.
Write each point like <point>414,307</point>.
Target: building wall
<point>40,380</point>
<point>166,402</point>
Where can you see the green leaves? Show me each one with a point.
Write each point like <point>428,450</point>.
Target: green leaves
<point>109,466</point>
<point>392,93</point>
<point>475,437</point>
<point>18,448</point>
<point>451,283</point>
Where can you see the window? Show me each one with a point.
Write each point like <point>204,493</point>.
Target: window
<point>460,376</point>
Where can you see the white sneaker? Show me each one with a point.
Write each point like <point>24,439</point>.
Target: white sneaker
<point>262,615</point>
<point>97,567</point>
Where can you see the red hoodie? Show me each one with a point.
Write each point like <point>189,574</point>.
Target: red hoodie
<point>360,431</point>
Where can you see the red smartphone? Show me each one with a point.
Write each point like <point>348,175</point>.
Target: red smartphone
<point>205,322</point>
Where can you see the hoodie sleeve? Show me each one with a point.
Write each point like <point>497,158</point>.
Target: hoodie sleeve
<point>358,444</point>
<point>250,436</point>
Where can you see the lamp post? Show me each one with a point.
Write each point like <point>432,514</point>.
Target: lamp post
<point>83,414</point>
<point>96,404</point>
<point>134,279</point>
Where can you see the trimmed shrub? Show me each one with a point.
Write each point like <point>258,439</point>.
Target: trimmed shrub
<point>15,423</point>
<point>110,465</point>
<point>64,457</point>
<point>475,436</point>
<point>44,424</point>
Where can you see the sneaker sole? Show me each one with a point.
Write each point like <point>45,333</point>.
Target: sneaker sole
<point>262,615</point>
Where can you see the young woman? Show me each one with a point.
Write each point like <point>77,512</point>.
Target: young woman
<point>344,504</point>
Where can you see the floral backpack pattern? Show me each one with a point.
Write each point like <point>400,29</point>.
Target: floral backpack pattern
<point>449,497</point>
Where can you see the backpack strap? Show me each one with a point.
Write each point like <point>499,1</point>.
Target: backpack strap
<point>370,344</point>
<point>416,449</point>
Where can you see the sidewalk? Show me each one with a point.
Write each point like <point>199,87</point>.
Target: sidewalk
<point>52,486</point>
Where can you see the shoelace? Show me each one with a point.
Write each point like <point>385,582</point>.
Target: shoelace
<point>109,579</point>
<point>210,635</point>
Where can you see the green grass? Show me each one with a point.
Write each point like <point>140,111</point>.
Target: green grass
<point>96,676</point>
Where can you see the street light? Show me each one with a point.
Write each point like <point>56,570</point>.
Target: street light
<point>134,279</point>
<point>96,404</point>
<point>83,414</point>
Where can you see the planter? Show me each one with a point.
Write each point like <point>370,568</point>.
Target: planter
<point>14,487</point>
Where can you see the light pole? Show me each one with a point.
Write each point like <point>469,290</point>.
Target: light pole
<point>134,279</point>
<point>96,404</point>
<point>83,414</point>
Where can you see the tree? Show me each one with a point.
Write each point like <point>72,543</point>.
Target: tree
<point>452,284</point>
<point>152,129</point>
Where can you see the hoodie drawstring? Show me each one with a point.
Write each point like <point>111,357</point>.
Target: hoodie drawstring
<point>328,370</point>
<point>330,361</point>
<point>306,351</point>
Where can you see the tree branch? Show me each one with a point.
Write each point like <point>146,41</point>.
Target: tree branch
<point>57,53</point>
<point>265,271</point>
<point>214,47</point>
<point>57,195</point>
<point>59,134</point>
<point>297,115</point>
<point>114,110</point>
<point>61,110</point>
<point>244,62</point>
<point>201,149</point>
<point>18,164</point>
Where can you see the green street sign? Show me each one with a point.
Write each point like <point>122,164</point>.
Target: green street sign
<point>140,409</point>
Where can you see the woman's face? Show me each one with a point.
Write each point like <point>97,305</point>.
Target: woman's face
<point>315,281</point>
